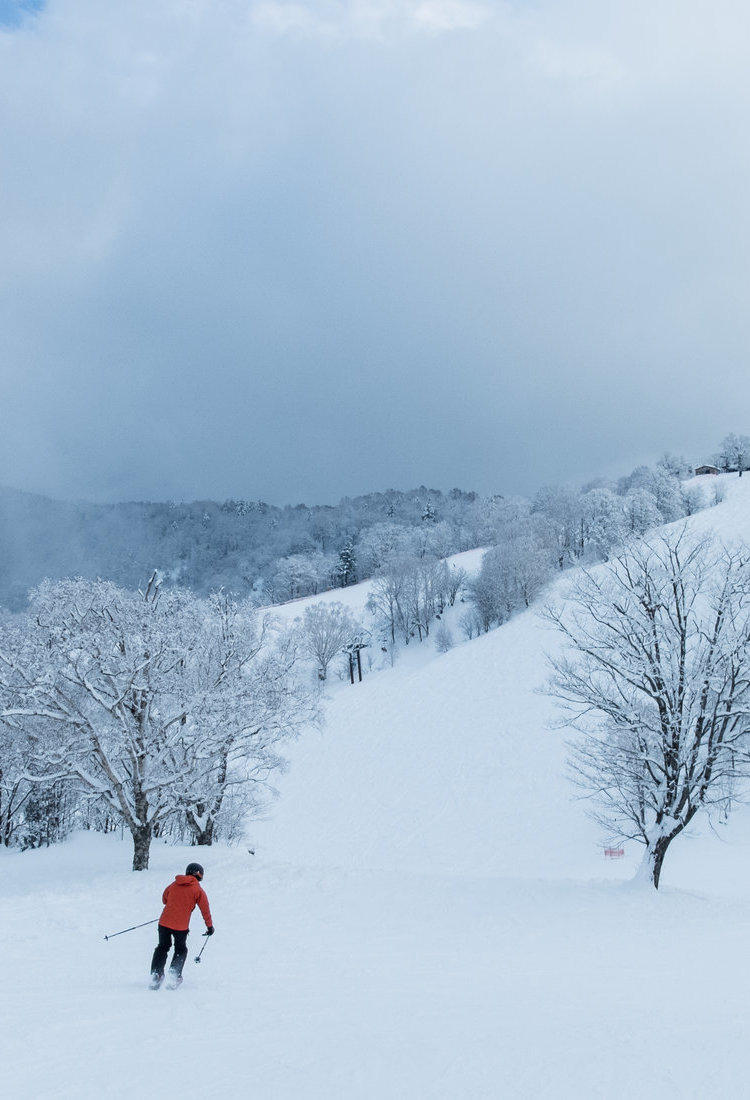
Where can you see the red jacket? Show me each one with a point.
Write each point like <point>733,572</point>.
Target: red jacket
<point>180,898</point>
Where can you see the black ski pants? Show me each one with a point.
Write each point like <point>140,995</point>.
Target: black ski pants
<point>166,935</point>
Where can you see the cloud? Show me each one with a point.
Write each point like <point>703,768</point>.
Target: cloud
<point>450,15</point>
<point>301,249</point>
<point>376,19</point>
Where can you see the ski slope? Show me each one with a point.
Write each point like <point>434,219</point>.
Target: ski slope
<point>428,915</point>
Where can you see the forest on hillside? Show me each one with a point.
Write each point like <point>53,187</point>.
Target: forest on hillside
<point>274,554</point>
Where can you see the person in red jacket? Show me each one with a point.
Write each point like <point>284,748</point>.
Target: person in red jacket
<point>180,898</point>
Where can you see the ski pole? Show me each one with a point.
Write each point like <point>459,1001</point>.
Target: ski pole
<point>198,956</point>
<point>113,934</point>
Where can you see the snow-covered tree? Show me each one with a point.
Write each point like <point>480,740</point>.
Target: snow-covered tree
<point>655,678</point>
<point>379,543</point>
<point>734,453</point>
<point>665,487</point>
<point>471,624</point>
<point>436,539</point>
<point>15,746</point>
<point>346,571</point>
<point>640,511</point>
<point>408,593</point>
<point>561,509</point>
<point>669,494</point>
<point>426,594</point>
<point>302,575</point>
<point>676,466</point>
<point>101,667</point>
<point>486,592</point>
<point>387,599</point>
<point>511,576</point>
<point>15,788</point>
<point>248,696</point>
<point>456,580</point>
<point>325,629</point>
<point>152,702</point>
<point>603,521</point>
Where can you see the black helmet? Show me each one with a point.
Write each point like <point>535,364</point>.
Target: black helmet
<point>194,869</point>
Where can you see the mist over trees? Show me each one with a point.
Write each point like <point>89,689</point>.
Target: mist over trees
<point>248,548</point>
<point>275,554</point>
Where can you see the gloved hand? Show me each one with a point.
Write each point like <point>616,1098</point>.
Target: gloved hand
<point>209,931</point>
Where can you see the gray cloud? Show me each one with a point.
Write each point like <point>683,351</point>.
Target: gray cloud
<point>298,250</point>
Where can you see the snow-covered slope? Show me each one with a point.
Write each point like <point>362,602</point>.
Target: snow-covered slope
<point>447,767</point>
<point>452,763</point>
<point>429,914</point>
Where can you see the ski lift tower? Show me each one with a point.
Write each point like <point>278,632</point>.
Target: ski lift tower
<point>353,650</point>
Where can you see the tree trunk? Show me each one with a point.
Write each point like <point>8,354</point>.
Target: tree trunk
<point>655,857</point>
<point>205,837</point>
<point>141,846</point>
<point>203,825</point>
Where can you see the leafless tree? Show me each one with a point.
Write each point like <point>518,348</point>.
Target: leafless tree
<point>655,679</point>
<point>325,630</point>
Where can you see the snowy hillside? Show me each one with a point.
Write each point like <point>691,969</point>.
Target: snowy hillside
<point>428,916</point>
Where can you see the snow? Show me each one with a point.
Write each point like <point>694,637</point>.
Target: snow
<point>428,916</point>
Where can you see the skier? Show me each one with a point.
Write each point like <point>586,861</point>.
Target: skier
<point>180,898</point>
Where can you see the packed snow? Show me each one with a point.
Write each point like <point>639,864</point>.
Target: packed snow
<point>426,913</point>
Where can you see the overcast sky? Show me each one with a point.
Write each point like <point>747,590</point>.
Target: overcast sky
<point>299,250</point>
